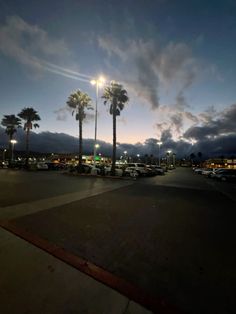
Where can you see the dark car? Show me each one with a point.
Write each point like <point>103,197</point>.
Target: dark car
<point>226,175</point>
<point>55,166</point>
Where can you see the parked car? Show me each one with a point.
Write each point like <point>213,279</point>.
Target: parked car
<point>118,171</point>
<point>41,166</point>
<point>226,175</point>
<point>150,171</point>
<point>157,169</point>
<point>131,172</point>
<point>207,171</point>
<point>198,170</point>
<point>55,166</point>
<point>215,172</point>
<point>138,167</point>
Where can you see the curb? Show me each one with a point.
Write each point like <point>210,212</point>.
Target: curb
<point>156,304</point>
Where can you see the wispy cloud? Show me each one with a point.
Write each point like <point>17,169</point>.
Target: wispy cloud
<point>150,65</point>
<point>32,46</point>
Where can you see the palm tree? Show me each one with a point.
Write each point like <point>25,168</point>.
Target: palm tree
<point>29,115</point>
<point>117,97</point>
<point>79,101</point>
<point>11,122</point>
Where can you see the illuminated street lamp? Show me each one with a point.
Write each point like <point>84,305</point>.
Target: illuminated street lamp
<point>13,142</point>
<point>125,153</point>
<point>168,157</point>
<point>96,147</point>
<point>138,155</point>
<point>98,83</point>
<point>159,153</point>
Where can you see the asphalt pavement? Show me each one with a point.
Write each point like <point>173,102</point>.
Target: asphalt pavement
<point>170,238</point>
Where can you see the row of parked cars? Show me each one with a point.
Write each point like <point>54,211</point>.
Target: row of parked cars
<point>129,169</point>
<point>221,174</point>
<point>40,165</point>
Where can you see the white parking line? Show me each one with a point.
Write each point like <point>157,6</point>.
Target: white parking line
<point>23,209</point>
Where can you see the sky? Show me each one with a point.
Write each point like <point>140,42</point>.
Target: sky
<point>176,59</point>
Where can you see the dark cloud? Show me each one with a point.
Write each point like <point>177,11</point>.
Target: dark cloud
<point>177,120</point>
<point>212,128</point>
<point>48,142</point>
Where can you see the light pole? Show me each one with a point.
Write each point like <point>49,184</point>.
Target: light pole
<point>125,153</point>
<point>4,153</point>
<point>96,146</point>
<point>13,142</point>
<point>159,152</point>
<point>168,154</point>
<point>98,83</point>
<point>174,159</point>
<point>138,155</point>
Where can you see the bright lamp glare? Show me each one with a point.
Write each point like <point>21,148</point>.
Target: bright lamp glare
<point>93,82</point>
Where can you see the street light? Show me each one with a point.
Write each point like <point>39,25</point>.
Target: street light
<point>98,83</point>
<point>4,153</point>
<point>168,152</point>
<point>138,155</point>
<point>13,142</point>
<point>125,153</point>
<point>159,154</point>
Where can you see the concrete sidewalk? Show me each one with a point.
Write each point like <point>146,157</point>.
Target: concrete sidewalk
<point>33,281</point>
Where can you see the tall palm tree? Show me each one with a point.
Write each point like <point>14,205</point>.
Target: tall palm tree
<point>79,102</point>
<point>29,115</point>
<point>11,122</point>
<point>116,97</point>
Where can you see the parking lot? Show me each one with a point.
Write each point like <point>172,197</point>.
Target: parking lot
<point>172,236</point>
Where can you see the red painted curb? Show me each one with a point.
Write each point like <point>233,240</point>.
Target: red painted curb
<point>155,304</point>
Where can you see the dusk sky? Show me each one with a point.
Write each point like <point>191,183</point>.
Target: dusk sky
<point>176,59</point>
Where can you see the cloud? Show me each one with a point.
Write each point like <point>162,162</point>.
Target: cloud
<point>62,114</point>
<point>32,46</point>
<point>151,65</point>
<point>28,43</point>
<point>174,119</point>
<point>224,124</point>
<point>48,142</point>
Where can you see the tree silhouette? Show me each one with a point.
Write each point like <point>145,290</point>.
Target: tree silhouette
<point>117,97</point>
<point>29,115</point>
<point>79,102</point>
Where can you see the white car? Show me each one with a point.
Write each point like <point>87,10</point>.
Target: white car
<point>118,171</point>
<point>131,172</point>
<point>207,171</point>
<point>138,167</point>
<point>41,166</point>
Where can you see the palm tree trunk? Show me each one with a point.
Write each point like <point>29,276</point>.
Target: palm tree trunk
<point>80,145</point>
<point>113,169</point>
<point>27,146</point>
<point>10,147</point>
